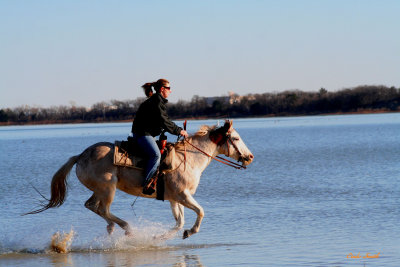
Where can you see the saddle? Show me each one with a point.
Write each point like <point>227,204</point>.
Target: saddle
<point>128,154</point>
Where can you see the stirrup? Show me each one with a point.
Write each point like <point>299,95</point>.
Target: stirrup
<point>150,187</point>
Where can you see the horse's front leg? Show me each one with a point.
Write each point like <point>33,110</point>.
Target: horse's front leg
<point>189,202</point>
<point>178,212</point>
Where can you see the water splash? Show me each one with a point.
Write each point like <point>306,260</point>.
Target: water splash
<point>61,243</point>
<point>146,236</point>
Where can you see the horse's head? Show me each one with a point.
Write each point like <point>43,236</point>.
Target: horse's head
<point>230,144</point>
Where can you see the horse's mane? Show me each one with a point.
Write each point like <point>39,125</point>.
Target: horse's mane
<point>203,131</point>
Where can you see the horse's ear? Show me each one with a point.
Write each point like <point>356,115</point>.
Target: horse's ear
<point>227,126</point>
<point>219,135</point>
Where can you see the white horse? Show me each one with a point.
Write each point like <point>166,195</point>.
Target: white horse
<point>95,170</point>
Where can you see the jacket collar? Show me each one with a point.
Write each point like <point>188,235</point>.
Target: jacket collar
<point>164,100</point>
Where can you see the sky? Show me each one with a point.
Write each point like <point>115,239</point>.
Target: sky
<point>83,52</point>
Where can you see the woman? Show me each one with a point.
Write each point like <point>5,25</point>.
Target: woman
<point>150,120</point>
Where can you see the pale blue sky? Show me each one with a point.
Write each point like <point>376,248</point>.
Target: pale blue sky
<point>59,52</point>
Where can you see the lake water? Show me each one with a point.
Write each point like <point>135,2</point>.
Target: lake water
<point>320,189</point>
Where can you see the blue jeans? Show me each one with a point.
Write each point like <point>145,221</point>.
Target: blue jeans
<point>150,148</point>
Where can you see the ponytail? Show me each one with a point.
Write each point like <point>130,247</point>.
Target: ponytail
<point>147,87</point>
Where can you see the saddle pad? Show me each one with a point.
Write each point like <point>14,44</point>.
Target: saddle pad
<point>122,158</point>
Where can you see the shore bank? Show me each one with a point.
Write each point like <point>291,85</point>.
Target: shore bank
<point>47,122</point>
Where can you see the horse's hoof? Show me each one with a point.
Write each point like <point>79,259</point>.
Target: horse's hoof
<point>186,234</point>
<point>128,234</point>
<point>110,229</point>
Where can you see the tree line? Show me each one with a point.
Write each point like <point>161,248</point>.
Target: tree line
<point>368,98</point>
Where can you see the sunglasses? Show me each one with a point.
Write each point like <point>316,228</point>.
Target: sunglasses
<point>168,88</point>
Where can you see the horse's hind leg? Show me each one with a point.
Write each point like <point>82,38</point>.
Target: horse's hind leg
<point>93,204</point>
<point>106,199</point>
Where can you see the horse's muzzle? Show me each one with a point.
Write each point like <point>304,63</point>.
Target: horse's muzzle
<point>246,160</point>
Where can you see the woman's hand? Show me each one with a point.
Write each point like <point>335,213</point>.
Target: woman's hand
<point>184,133</point>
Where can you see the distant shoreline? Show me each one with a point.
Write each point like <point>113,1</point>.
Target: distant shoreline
<point>198,118</point>
<point>365,99</point>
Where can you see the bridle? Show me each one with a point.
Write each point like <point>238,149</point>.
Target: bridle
<point>221,159</point>
<point>229,138</point>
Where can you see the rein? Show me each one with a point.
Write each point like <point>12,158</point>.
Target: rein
<point>218,158</point>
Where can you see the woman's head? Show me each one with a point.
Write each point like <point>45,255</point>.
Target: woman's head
<point>161,86</point>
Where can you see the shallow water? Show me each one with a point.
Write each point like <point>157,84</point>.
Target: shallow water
<point>319,189</point>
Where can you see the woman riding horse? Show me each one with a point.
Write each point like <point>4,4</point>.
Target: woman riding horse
<point>95,170</point>
<point>150,120</point>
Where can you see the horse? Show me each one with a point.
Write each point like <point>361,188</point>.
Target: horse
<point>188,158</point>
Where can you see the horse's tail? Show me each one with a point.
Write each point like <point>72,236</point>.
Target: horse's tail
<point>58,186</point>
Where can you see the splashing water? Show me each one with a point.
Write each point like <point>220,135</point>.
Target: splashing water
<point>146,235</point>
<point>61,243</point>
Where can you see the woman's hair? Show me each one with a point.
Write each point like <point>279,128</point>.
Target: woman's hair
<point>147,87</point>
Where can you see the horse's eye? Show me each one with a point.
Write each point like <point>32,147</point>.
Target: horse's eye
<point>235,138</point>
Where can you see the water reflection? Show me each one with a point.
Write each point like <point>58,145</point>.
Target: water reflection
<point>189,260</point>
<point>61,260</point>
<point>126,259</point>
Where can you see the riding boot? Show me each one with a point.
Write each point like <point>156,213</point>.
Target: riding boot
<point>149,186</point>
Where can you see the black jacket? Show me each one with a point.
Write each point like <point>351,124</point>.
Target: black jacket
<point>152,118</point>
